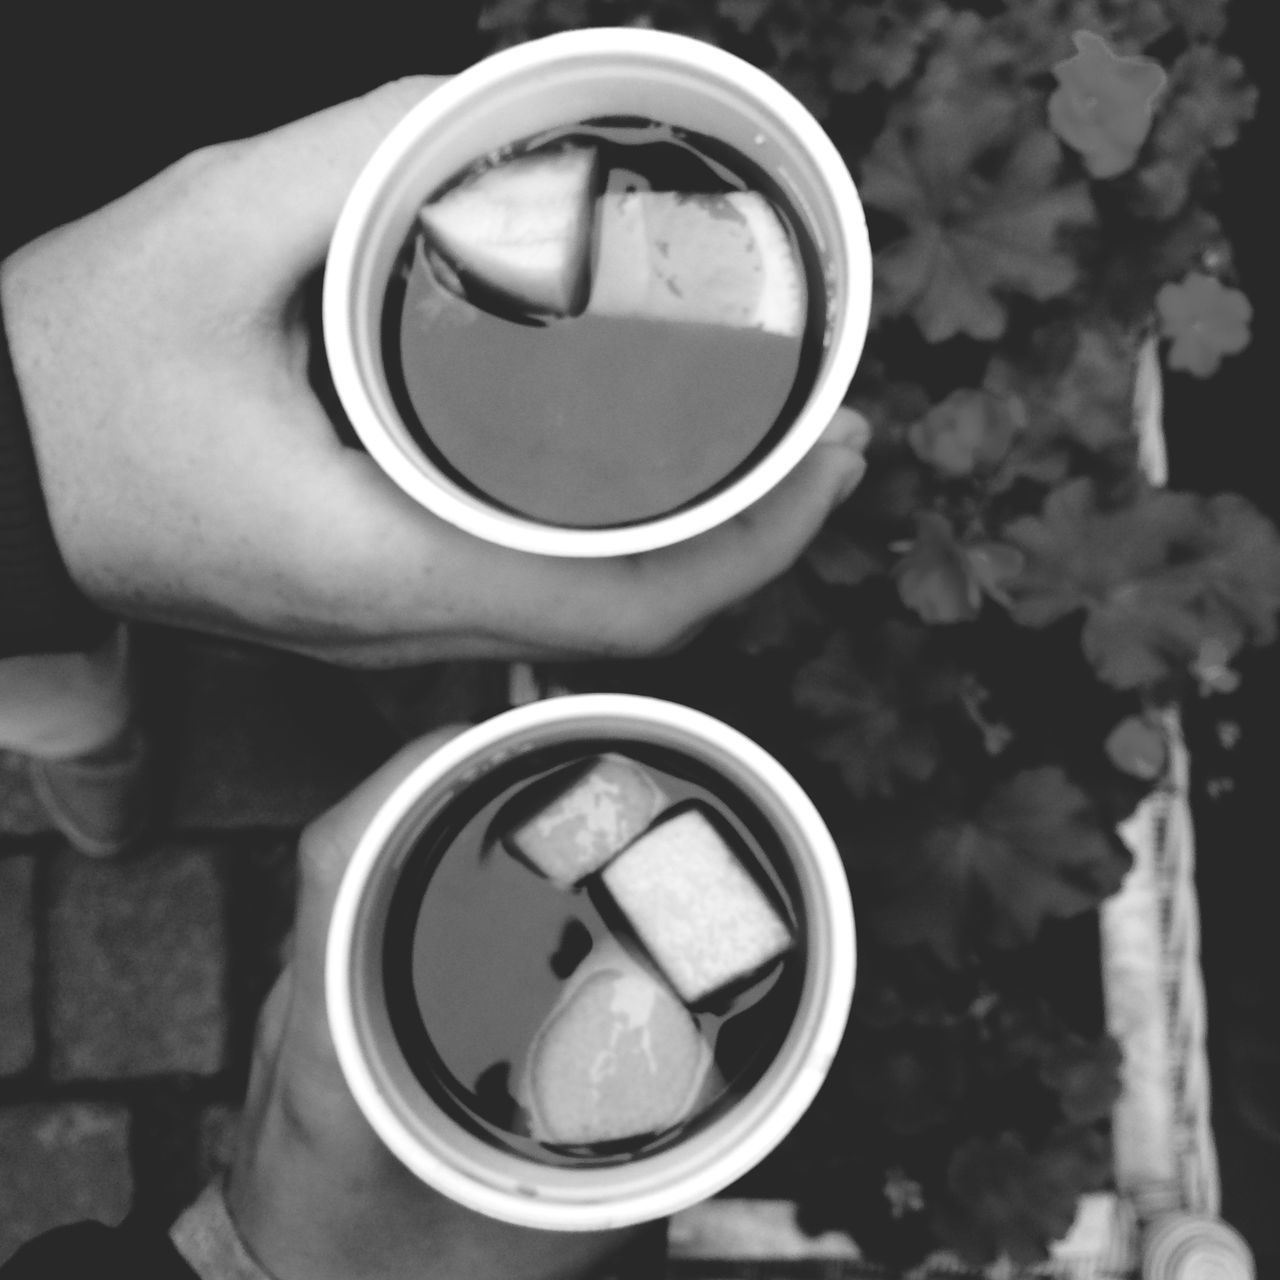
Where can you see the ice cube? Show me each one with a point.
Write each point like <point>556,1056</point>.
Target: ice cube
<point>618,1057</point>
<point>522,228</point>
<point>694,906</point>
<point>714,259</point>
<point>600,813</point>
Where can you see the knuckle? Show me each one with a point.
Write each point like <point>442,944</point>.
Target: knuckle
<point>190,172</point>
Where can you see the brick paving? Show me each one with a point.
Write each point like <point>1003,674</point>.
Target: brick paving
<point>17,966</point>
<point>129,990</point>
<point>62,1161</point>
<point>136,966</point>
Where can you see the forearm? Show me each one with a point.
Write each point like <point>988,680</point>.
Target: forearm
<point>41,609</point>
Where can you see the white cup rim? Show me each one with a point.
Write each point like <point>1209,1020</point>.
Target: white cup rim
<point>510,1199</point>
<point>522,533</point>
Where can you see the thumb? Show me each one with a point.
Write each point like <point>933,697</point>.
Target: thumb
<point>292,181</point>
<point>324,848</point>
<point>327,843</point>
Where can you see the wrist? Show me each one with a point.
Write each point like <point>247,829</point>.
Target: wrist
<point>45,611</point>
<point>209,1242</point>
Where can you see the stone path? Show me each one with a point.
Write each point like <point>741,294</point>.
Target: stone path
<point>128,990</point>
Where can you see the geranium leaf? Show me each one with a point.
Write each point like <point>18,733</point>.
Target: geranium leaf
<point>1211,670</point>
<point>1040,851</point>
<point>1035,850</point>
<point>1085,1075</point>
<point>1156,579</point>
<point>1075,1160</point>
<point>1208,99</point>
<point>970,429</point>
<point>1204,321</point>
<point>1007,1201</point>
<point>1076,383</point>
<point>1129,273</point>
<point>774,617</point>
<point>970,241</point>
<point>744,14</point>
<point>969,62</point>
<point>1202,19</point>
<point>934,578</point>
<point>1042,29</point>
<point>1136,643</point>
<point>1104,104</point>
<point>992,565</point>
<point>808,83</point>
<point>840,560</point>
<point>509,17</point>
<point>876,753</point>
<point>872,711</point>
<point>880,42</point>
<point>913,1084</point>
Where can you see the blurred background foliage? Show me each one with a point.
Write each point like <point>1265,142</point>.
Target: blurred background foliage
<point>972,667</point>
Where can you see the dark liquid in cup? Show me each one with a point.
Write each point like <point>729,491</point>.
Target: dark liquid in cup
<point>479,946</point>
<point>598,420</point>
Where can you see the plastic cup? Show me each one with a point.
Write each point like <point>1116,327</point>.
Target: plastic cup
<point>454,1158</point>
<point>563,80</point>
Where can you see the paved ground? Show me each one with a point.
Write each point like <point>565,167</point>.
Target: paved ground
<point>128,991</point>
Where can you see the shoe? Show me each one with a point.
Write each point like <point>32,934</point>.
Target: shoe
<point>101,801</point>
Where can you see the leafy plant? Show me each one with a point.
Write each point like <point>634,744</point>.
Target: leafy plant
<point>970,668</point>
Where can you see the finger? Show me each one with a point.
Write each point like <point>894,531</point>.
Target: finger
<point>686,585</point>
<point>268,1035</point>
<point>264,1064</point>
<point>292,181</point>
<point>850,427</point>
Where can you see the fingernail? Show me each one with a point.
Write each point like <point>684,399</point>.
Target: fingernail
<point>857,469</point>
<point>848,427</point>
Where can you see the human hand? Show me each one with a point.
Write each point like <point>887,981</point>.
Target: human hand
<point>313,1192</point>
<point>193,477</point>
